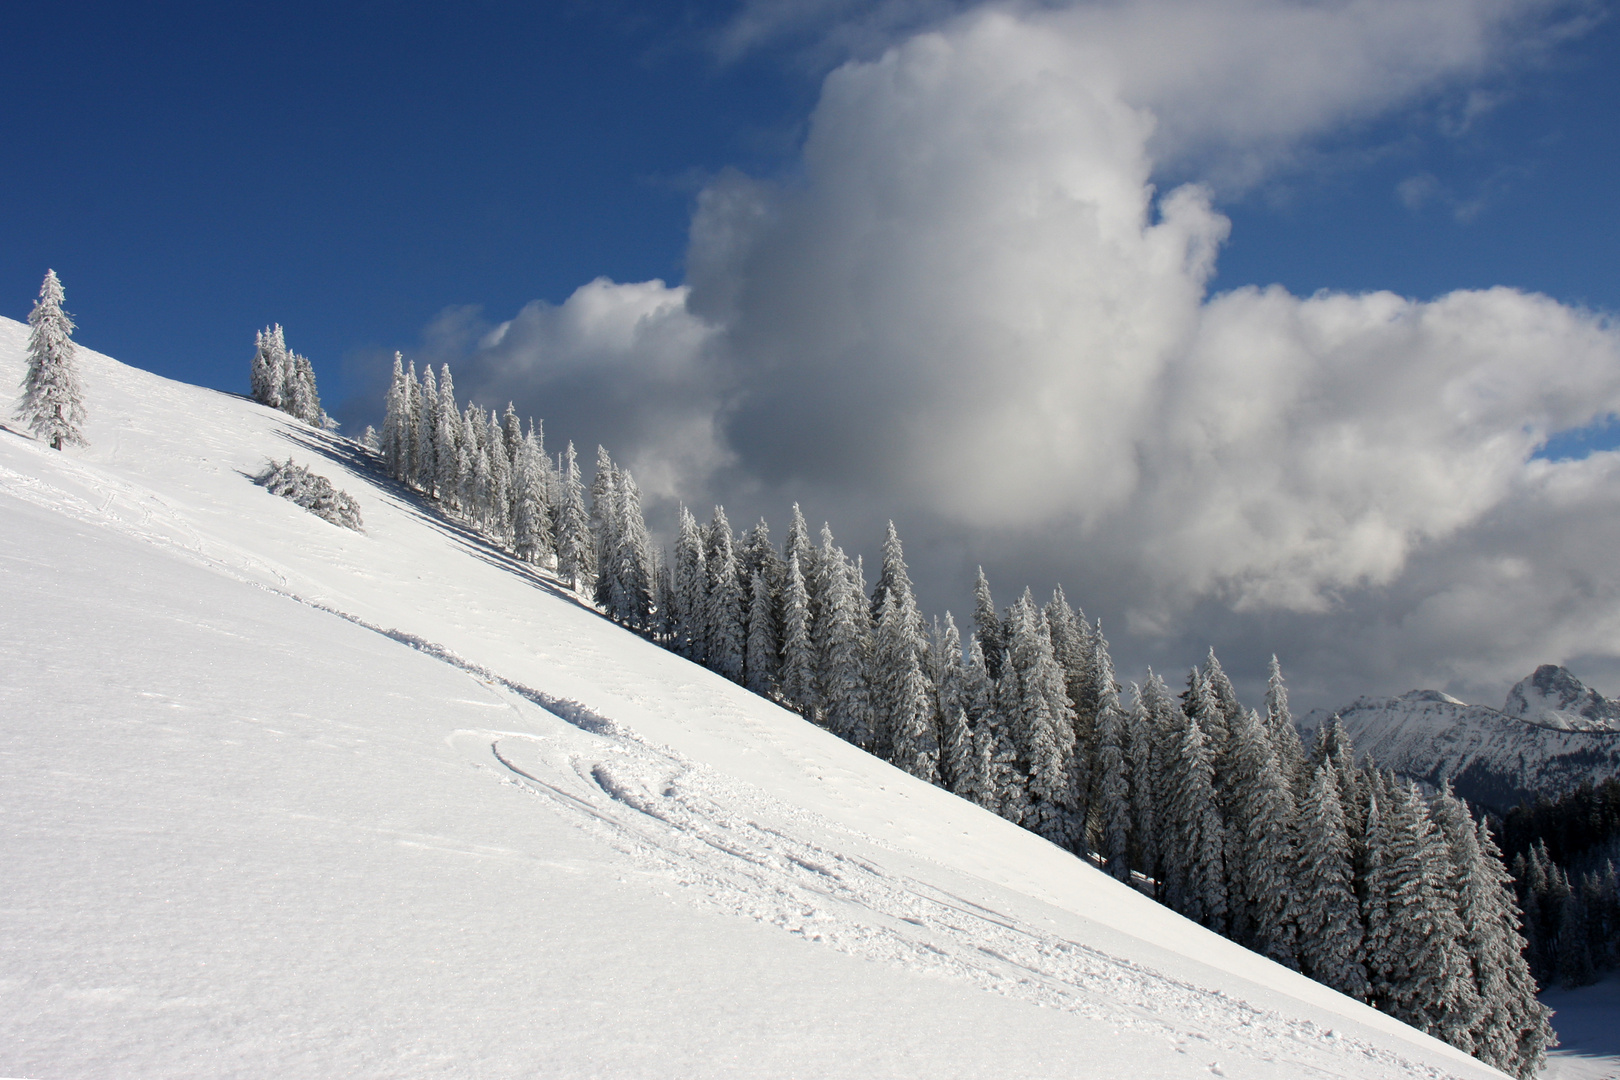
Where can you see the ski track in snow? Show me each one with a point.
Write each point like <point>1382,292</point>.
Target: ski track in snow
<point>735,848</point>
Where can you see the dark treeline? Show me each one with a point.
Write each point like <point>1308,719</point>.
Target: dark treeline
<point>1563,854</point>
<point>1216,810</point>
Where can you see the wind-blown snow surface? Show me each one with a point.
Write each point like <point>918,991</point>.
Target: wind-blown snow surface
<point>281,799</point>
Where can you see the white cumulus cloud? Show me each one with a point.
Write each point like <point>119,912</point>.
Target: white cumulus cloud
<point>972,309</point>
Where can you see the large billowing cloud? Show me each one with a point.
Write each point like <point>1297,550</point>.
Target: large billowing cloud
<point>971,310</point>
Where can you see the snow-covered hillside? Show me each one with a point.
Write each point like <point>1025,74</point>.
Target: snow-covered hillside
<point>1492,758</point>
<point>284,799</point>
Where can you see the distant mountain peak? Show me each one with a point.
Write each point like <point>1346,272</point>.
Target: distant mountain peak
<point>1553,697</point>
<point>1431,695</point>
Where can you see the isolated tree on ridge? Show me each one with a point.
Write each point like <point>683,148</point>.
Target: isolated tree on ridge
<point>52,401</point>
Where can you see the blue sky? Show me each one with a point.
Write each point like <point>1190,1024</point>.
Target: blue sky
<point>1350,479</point>
<point>197,171</point>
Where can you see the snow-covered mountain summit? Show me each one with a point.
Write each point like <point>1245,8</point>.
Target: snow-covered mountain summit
<point>1553,697</point>
<point>283,798</point>
<point>1553,734</point>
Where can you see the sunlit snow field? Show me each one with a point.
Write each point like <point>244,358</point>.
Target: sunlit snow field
<point>280,799</point>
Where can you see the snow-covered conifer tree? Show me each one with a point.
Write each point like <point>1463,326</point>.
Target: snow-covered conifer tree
<point>424,469</point>
<point>572,527</point>
<point>264,371</point>
<point>727,640</point>
<point>1281,731</point>
<point>1111,795</point>
<point>1328,916</point>
<point>1261,902</point>
<point>604,498</point>
<point>1141,749</point>
<point>845,692</point>
<point>1426,979</point>
<point>631,570</point>
<point>1043,724</point>
<point>799,680</point>
<point>531,524</point>
<point>1513,1032</point>
<point>987,625</point>
<point>1192,841</point>
<point>950,708</point>
<point>449,458</point>
<point>1510,1029</point>
<point>906,728</point>
<point>471,465</point>
<point>303,401</point>
<point>690,579</point>
<point>762,660</point>
<point>396,414</point>
<point>52,403</point>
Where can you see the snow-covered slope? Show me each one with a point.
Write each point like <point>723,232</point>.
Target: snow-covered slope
<point>281,799</point>
<point>1553,697</point>
<point>1491,757</point>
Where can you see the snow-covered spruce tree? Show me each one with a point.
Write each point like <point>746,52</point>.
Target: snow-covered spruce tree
<point>760,572</point>
<point>987,625</point>
<point>950,707</point>
<point>1509,1020</point>
<point>396,414</point>
<point>1073,647</point>
<point>899,659</point>
<point>690,580</point>
<point>762,658</point>
<point>991,766</point>
<point>907,724</point>
<point>267,374</point>
<point>572,527</point>
<point>499,492</point>
<point>604,495</point>
<point>1426,979</point>
<point>303,401</point>
<point>1262,898</point>
<point>531,523</point>
<point>1165,716</point>
<point>424,458</point>
<point>727,639</point>
<point>630,570</point>
<point>1111,794</point>
<point>1141,748</point>
<point>1281,731</point>
<point>449,454</point>
<point>845,692</point>
<point>1192,841</point>
<point>799,678</point>
<point>52,403</point>
<point>470,464</point>
<point>1514,1032</point>
<point>1042,720</point>
<point>1328,916</point>
<point>371,439</point>
<point>664,599</point>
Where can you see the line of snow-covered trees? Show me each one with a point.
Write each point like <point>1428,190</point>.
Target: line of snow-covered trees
<point>283,379</point>
<point>1571,920</point>
<point>1215,809</point>
<point>1564,854</point>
